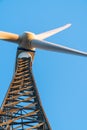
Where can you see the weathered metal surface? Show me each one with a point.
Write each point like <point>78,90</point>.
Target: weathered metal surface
<point>22,108</point>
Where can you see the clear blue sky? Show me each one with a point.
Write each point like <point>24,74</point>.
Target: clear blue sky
<point>61,79</point>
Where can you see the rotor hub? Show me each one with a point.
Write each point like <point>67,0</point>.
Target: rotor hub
<point>25,40</point>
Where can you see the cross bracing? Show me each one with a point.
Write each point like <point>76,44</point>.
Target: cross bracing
<point>22,108</point>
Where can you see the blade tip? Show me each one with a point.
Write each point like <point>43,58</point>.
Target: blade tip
<point>69,24</point>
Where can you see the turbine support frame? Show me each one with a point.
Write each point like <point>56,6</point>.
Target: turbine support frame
<point>22,108</point>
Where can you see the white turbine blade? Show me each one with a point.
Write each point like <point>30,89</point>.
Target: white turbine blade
<point>9,36</point>
<point>55,47</point>
<point>52,32</point>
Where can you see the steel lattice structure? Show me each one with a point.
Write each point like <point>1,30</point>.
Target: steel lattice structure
<point>22,108</point>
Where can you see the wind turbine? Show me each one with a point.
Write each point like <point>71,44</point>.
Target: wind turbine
<point>23,88</point>
<point>31,41</point>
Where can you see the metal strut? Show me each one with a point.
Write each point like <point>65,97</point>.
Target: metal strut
<point>22,108</point>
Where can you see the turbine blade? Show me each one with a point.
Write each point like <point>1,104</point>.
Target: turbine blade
<point>55,47</point>
<point>52,32</point>
<point>9,36</point>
